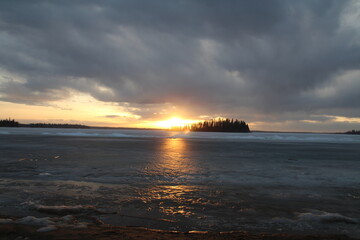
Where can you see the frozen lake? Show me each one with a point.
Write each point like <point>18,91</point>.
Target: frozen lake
<point>263,182</point>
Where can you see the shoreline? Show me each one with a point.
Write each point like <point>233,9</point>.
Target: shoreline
<point>102,232</point>
<point>165,129</point>
<point>72,228</point>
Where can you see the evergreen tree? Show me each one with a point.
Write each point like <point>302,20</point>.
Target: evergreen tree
<point>216,125</point>
<point>9,123</point>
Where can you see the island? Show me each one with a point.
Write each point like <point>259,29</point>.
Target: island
<point>216,125</point>
<point>357,132</point>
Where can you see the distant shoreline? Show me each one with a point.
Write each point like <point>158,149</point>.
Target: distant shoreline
<point>162,129</point>
<point>90,127</point>
<point>79,126</point>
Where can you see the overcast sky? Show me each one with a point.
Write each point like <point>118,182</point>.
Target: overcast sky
<point>279,65</point>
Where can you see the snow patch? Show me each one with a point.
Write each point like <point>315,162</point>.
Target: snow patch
<point>48,224</point>
<point>5,220</point>
<point>67,219</point>
<point>65,209</point>
<point>314,220</point>
<point>326,217</point>
<point>34,221</point>
<point>47,229</point>
<point>80,226</point>
<point>45,174</point>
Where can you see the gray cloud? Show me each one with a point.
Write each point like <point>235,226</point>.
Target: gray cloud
<point>235,58</point>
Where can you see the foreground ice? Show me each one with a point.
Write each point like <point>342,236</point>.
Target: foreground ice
<point>203,181</point>
<point>46,224</point>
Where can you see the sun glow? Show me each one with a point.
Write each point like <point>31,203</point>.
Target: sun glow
<point>174,122</point>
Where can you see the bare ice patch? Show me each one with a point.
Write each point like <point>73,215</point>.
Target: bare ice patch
<point>326,217</point>
<point>44,174</point>
<point>34,221</point>
<point>60,210</point>
<point>320,221</point>
<point>47,224</point>
<point>46,229</point>
<point>63,209</point>
<point>6,220</point>
<point>317,217</point>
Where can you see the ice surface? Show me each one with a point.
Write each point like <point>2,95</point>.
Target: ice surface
<point>178,181</point>
<point>126,133</point>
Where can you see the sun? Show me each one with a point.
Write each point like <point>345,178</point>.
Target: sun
<point>174,122</point>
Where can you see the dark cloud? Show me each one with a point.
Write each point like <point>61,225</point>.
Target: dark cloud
<point>234,58</point>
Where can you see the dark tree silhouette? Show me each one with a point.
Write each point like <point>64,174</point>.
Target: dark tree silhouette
<point>12,123</point>
<point>9,123</point>
<point>216,125</point>
<point>353,132</point>
<point>55,125</point>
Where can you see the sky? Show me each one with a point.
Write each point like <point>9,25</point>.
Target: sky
<point>278,65</point>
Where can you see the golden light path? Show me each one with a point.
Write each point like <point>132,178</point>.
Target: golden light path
<point>172,166</point>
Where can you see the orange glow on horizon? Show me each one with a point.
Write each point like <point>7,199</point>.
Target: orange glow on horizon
<point>174,122</point>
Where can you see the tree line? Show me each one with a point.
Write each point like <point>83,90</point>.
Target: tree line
<point>353,132</point>
<point>55,125</point>
<point>216,125</point>
<point>9,123</point>
<point>12,123</point>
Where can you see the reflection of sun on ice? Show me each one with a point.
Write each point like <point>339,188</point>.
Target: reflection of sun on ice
<point>174,122</point>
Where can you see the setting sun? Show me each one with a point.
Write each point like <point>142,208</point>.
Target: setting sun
<point>174,122</point>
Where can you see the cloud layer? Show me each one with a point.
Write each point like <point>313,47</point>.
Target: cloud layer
<point>256,59</point>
